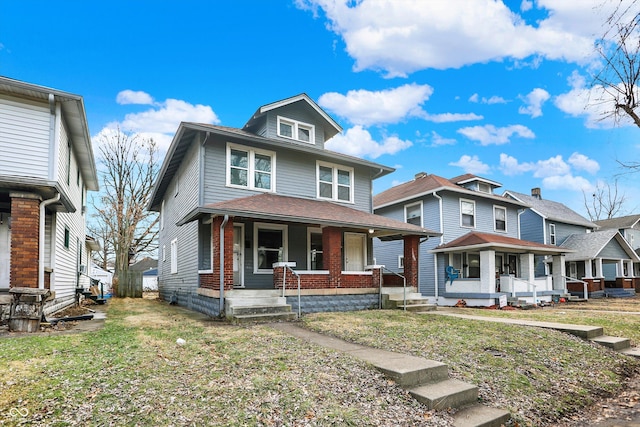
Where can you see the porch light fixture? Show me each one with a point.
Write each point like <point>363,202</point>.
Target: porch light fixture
<point>371,230</point>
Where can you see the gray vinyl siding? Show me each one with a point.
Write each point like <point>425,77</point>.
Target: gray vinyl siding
<point>177,205</point>
<point>294,112</point>
<point>633,237</point>
<point>387,252</point>
<point>295,175</point>
<point>613,250</point>
<point>24,138</point>
<point>531,227</point>
<point>565,230</point>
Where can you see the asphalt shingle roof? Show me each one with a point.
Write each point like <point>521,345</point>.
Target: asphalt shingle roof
<point>477,239</point>
<point>589,245</point>
<point>555,211</point>
<point>619,223</point>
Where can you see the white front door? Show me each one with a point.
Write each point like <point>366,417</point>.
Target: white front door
<point>354,251</point>
<point>238,256</point>
<point>5,251</point>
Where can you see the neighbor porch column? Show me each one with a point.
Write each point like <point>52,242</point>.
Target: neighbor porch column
<point>488,271</point>
<point>528,267</point>
<point>25,239</point>
<point>620,268</point>
<point>629,268</point>
<point>228,253</point>
<point>332,254</point>
<point>599,272</point>
<point>559,272</point>
<point>411,260</point>
<point>588,271</point>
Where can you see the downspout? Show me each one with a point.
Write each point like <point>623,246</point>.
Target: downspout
<point>41,237</point>
<point>222,226</point>
<point>520,212</point>
<point>435,256</point>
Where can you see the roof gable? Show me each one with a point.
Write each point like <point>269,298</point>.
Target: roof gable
<point>551,210</point>
<point>620,223</point>
<point>476,241</point>
<point>590,245</point>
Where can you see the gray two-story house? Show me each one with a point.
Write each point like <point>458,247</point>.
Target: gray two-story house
<point>267,211</point>
<point>629,227</point>
<point>599,258</point>
<point>480,256</point>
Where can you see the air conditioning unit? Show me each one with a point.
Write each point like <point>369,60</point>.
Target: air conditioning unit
<point>82,269</point>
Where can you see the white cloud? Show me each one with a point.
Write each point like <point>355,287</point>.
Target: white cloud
<point>359,143</point>
<point>475,98</point>
<point>401,37</point>
<point>451,117</point>
<point>582,162</point>
<point>526,5</point>
<point>363,107</point>
<point>489,134</point>
<point>533,102</point>
<point>471,164</point>
<point>553,166</point>
<point>162,119</point>
<point>510,166</point>
<point>133,97</point>
<point>437,140</point>
<point>567,182</point>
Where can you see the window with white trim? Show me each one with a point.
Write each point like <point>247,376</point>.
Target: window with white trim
<point>552,234</point>
<point>401,262</point>
<point>250,168</point>
<point>467,213</point>
<point>334,182</point>
<point>174,256</point>
<point>270,246</point>
<point>314,249</point>
<point>413,214</point>
<point>293,129</point>
<point>500,218</point>
<point>164,253</point>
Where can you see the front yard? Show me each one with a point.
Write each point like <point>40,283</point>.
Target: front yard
<point>133,372</point>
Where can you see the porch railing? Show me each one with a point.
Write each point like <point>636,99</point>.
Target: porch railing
<point>287,266</point>
<point>584,285</point>
<point>404,286</point>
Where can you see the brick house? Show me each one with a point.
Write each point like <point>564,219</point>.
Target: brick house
<point>246,212</point>
<point>46,169</point>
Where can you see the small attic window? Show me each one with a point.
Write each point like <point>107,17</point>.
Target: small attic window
<point>484,187</point>
<point>294,129</point>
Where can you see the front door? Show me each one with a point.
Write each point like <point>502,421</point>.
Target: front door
<point>238,256</point>
<point>354,251</point>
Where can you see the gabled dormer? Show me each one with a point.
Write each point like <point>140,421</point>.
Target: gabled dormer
<point>476,183</point>
<point>297,119</point>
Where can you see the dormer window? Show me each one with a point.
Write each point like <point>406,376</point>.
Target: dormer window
<point>294,129</point>
<point>484,187</point>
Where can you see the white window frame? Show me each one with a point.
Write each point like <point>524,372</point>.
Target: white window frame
<point>335,186</point>
<point>251,156</point>
<point>401,262</point>
<point>552,234</point>
<point>162,215</point>
<point>295,129</point>
<point>474,213</point>
<point>310,231</point>
<point>483,187</point>
<point>410,205</point>
<point>164,253</point>
<point>495,219</point>
<point>174,256</point>
<point>257,226</point>
<point>209,222</point>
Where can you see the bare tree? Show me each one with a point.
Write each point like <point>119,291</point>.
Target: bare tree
<point>129,167</point>
<point>99,230</point>
<point>605,202</point>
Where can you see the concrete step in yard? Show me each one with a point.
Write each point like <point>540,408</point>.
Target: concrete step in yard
<point>633,352</point>
<point>418,307</point>
<point>481,416</point>
<point>262,317</point>
<point>614,343</point>
<point>446,394</point>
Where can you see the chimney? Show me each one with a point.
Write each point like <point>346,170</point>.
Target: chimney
<point>535,192</point>
<point>420,175</point>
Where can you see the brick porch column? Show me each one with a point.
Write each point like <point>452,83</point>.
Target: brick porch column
<point>228,253</point>
<point>411,259</point>
<point>25,239</point>
<point>332,254</point>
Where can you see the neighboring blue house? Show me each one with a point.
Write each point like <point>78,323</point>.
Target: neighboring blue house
<point>629,227</point>
<point>245,213</point>
<point>599,259</point>
<point>480,242</point>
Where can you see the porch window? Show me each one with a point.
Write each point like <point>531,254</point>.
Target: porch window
<point>413,214</point>
<point>500,218</point>
<point>467,263</point>
<point>473,259</point>
<point>271,246</point>
<point>250,168</point>
<point>205,246</point>
<point>552,234</point>
<point>467,213</point>
<point>314,242</point>
<point>294,129</point>
<point>334,182</point>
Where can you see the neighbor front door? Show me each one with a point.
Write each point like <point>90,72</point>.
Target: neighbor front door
<point>354,251</point>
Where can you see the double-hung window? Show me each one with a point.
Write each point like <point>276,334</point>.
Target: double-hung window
<point>413,214</point>
<point>335,182</point>
<point>500,218</point>
<point>552,234</point>
<point>250,168</point>
<point>294,129</point>
<point>467,213</point>
<point>271,246</point>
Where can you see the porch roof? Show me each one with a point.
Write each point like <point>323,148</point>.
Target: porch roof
<point>276,208</point>
<point>476,241</point>
<point>591,245</point>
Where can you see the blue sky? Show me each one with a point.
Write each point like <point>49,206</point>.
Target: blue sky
<point>497,89</point>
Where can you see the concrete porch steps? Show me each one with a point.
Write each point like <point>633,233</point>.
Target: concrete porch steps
<point>395,298</point>
<point>246,305</point>
<point>263,317</point>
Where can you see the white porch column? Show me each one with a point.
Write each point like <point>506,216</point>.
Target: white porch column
<point>629,268</point>
<point>559,272</point>
<point>488,271</point>
<point>588,271</point>
<point>620,268</point>
<point>599,268</point>
<point>527,267</point>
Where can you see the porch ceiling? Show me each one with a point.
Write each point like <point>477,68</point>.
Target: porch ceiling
<point>272,207</point>
<point>475,241</point>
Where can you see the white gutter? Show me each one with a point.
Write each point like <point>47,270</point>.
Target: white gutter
<point>41,236</point>
<point>435,256</point>
<point>222,226</point>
